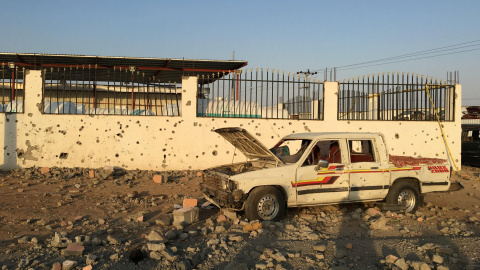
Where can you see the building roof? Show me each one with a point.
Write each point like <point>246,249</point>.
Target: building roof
<point>163,69</point>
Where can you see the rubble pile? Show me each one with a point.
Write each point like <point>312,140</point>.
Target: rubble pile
<point>139,230</point>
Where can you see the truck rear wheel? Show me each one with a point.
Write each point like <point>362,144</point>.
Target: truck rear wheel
<point>265,203</point>
<point>404,193</point>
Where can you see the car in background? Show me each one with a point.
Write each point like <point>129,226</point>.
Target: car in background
<point>471,145</point>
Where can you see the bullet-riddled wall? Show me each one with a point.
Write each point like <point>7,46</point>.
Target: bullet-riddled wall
<point>186,142</point>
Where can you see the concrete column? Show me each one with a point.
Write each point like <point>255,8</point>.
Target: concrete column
<point>33,93</point>
<point>330,109</point>
<point>189,97</point>
<point>455,139</point>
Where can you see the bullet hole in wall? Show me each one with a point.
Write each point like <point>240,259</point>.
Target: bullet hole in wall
<point>214,152</point>
<point>138,142</point>
<point>19,154</point>
<point>117,155</point>
<point>63,156</point>
<point>81,128</point>
<point>79,142</point>
<point>397,136</point>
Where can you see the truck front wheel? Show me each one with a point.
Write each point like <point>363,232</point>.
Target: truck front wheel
<point>404,193</point>
<point>265,203</point>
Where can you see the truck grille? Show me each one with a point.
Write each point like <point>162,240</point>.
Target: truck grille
<point>212,181</point>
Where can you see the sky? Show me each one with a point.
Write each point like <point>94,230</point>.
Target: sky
<point>284,35</point>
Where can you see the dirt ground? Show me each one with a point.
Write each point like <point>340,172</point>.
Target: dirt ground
<point>34,206</point>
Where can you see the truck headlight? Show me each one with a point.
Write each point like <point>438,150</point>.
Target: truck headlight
<point>228,184</point>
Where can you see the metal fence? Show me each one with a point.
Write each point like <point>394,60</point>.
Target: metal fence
<point>267,94</point>
<point>76,90</point>
<point>396,97</point>
<point>12,89</point>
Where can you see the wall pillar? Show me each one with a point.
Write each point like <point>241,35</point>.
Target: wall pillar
<point>330,98</point>
<point>189,97</point>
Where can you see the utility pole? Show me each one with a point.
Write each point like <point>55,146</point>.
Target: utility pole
<point>306,88</point>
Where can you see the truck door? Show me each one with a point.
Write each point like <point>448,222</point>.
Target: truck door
<point>369,177</point>
<point>325,185</point>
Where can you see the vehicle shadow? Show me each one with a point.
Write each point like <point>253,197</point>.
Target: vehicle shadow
<point>342,237</point>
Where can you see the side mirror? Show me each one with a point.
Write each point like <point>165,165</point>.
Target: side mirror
<point>321,164</point>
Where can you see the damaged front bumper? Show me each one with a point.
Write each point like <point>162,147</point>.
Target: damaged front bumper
<point>224,199</point>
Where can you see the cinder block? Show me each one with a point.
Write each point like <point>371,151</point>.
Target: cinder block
<point>44,170</point>
<point>157,179</point>
<point>190,203</point>
<point>186,215</point>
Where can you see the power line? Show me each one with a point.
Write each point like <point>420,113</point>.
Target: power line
<point>453,48</point>
<point>441,49</point>
<point>418,58</point>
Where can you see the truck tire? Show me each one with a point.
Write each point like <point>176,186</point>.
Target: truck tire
<point>404,193</point>
<point>265,203</point>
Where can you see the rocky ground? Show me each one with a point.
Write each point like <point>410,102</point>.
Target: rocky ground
<point>109,218</point>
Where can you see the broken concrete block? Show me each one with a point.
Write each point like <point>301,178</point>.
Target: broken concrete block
<point>73,250</point>
<point>156,236</point>
<point>156,246</point>
<point>44,170</point>
<point>91,174</point>
<point>57,266</point>
<point>230,214</point>
<point>221,218</point>
<point>68,265</point>
<point>190,202</point>
<point>252,227</point>
<point>106,171</point>
<point>157,179</point>
<point>186,215</point>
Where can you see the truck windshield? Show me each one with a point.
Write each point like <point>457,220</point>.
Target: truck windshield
<point>290,151</point>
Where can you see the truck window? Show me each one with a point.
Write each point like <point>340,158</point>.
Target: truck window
<point>327,150</point>
<point>361,151</point>
<point>295,146</point>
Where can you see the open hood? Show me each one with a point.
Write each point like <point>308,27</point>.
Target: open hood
<point>247,144</point>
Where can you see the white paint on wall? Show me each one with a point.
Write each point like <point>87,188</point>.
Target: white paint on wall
<point>186,142</point>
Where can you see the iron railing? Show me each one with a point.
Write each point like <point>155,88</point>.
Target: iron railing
<point>396,97</point>
<point>75,90</point>
<point>259,93</point>
<point>12,89</point>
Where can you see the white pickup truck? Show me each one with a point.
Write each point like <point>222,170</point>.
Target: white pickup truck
<point>319,168</point>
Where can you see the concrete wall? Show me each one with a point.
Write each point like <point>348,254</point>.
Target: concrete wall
<point>187,142</point>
